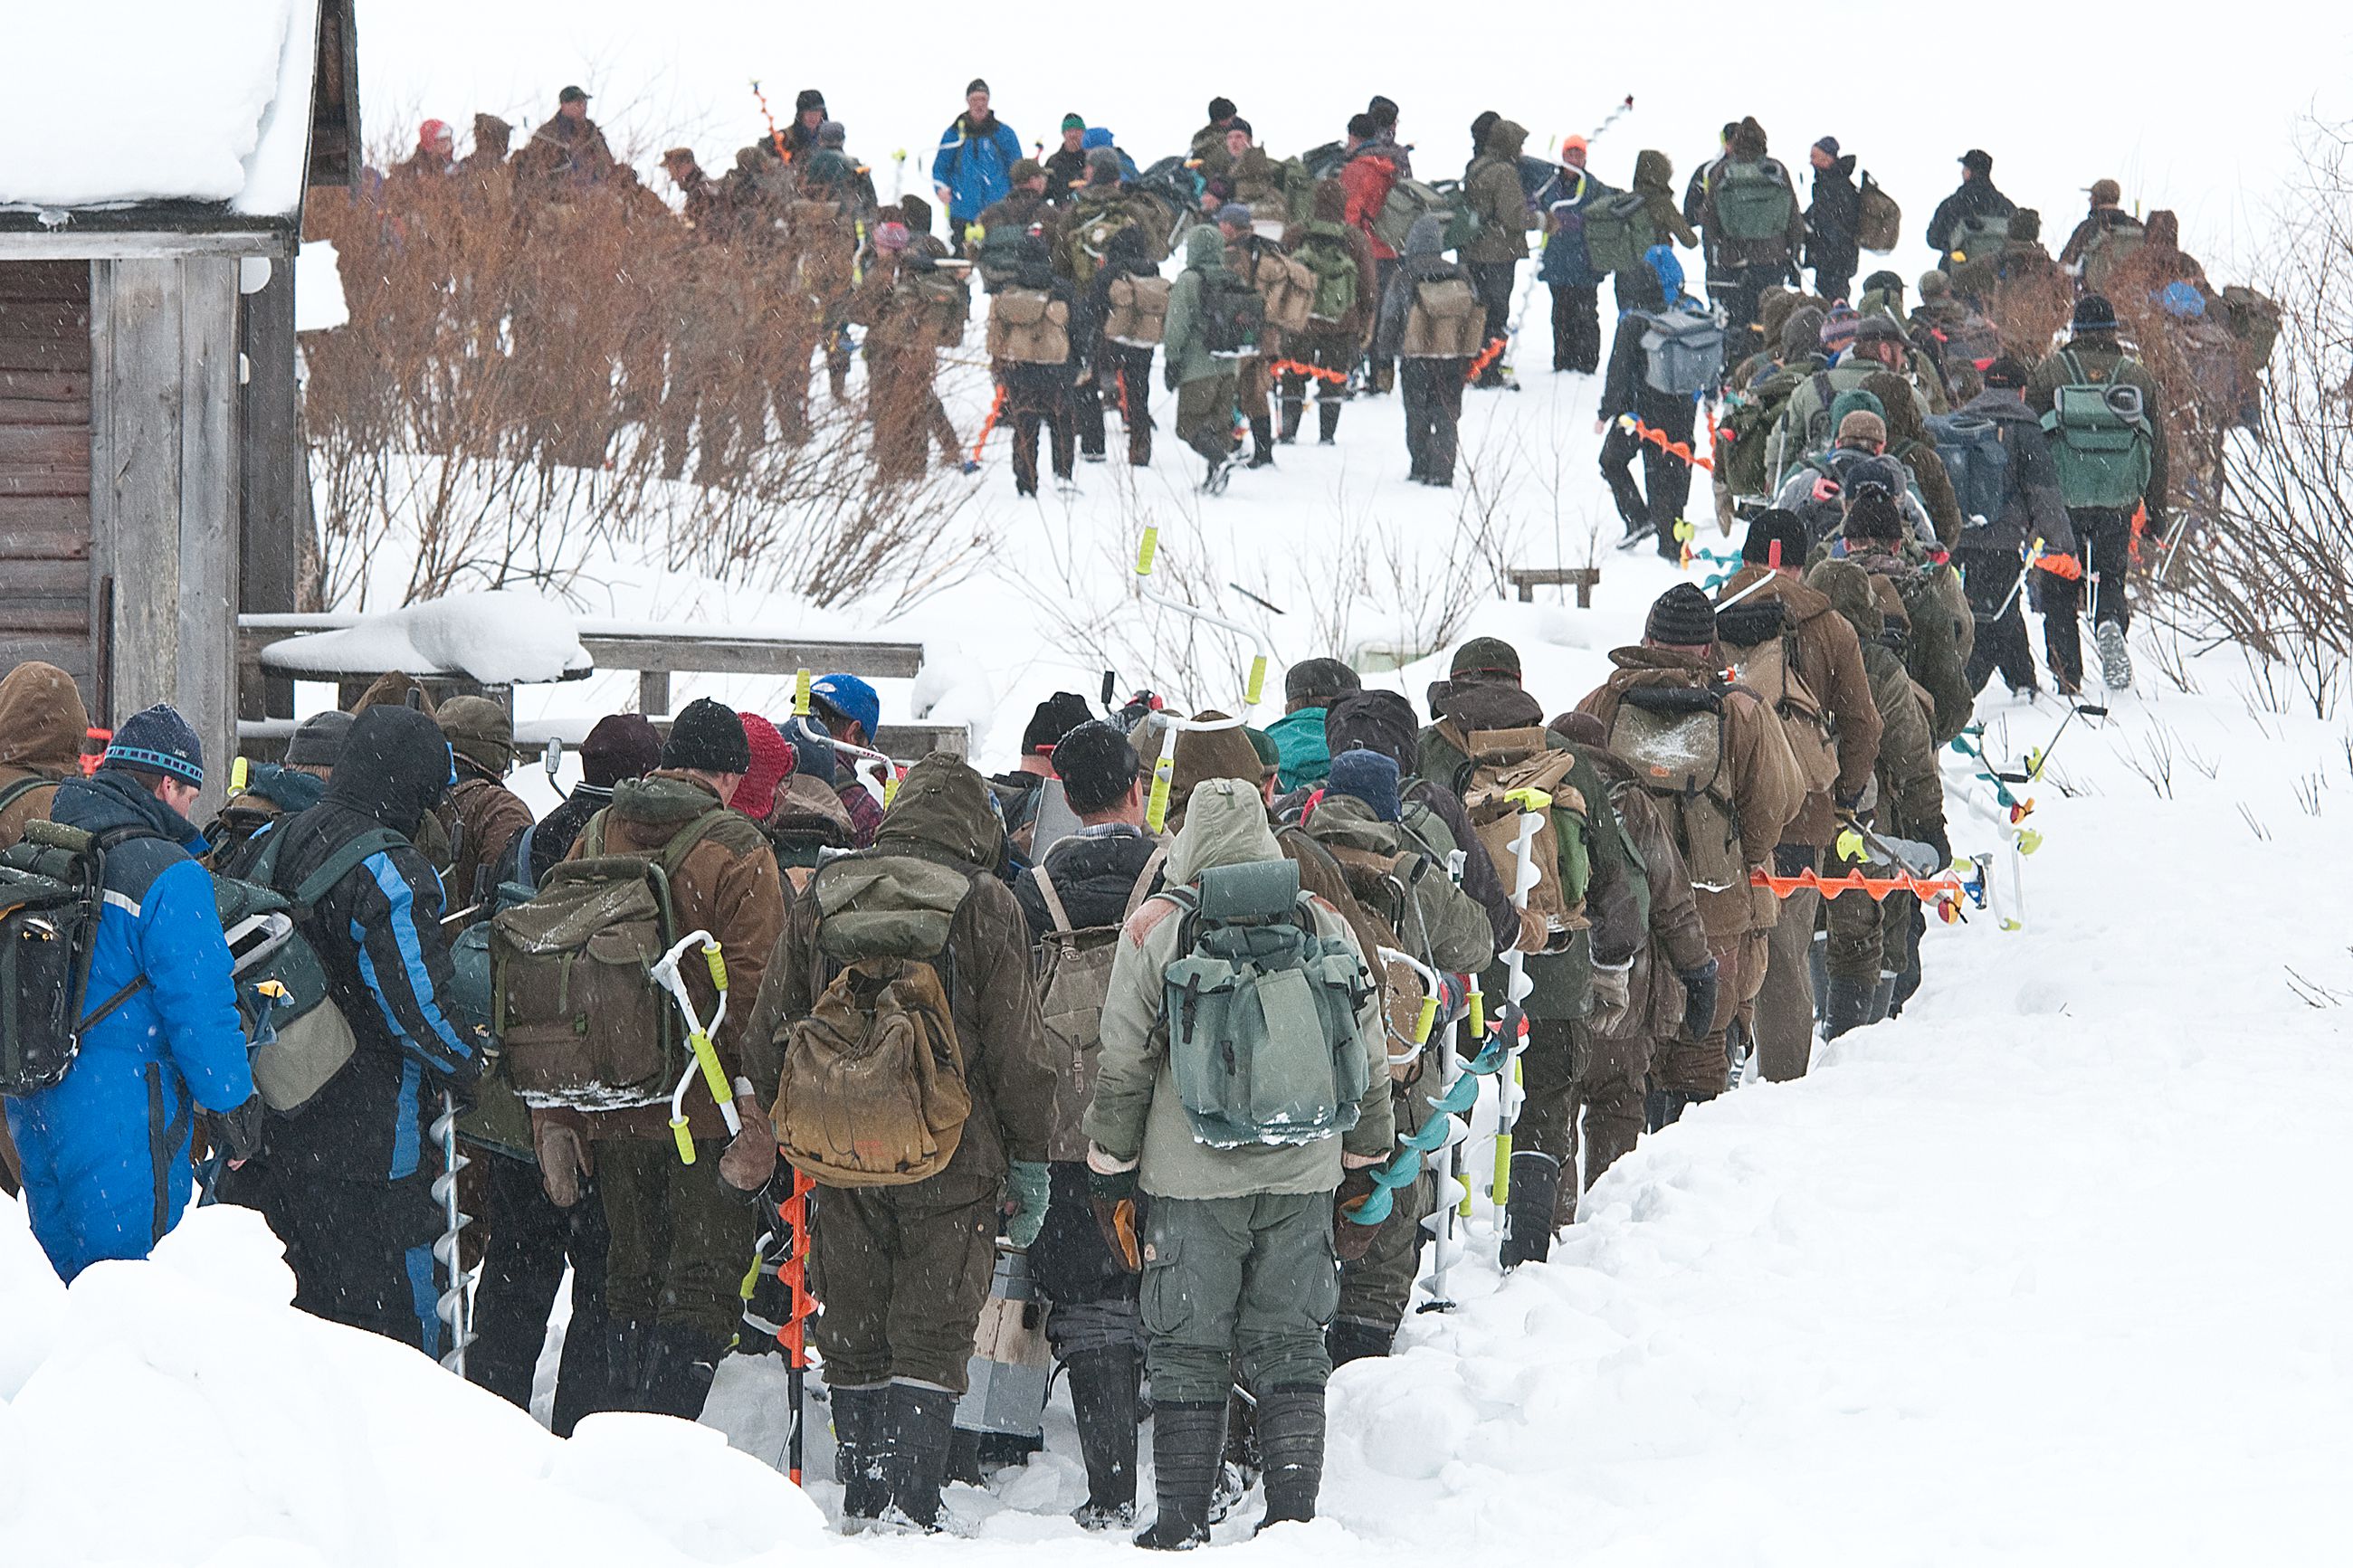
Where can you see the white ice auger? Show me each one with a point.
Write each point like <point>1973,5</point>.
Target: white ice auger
<point>702,1057</point>
<point>453,1309</point>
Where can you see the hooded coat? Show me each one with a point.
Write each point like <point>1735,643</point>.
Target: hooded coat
<point>1748,146</point>
<point>1184,337</point>
<point>1384,722</point>
<point>1908,443</point>
<point>1834,220</point>
<point>1424,261</point>
<point>1563,202</point>
<point>1492,190</point>
<point>1911,790</point>
<point>1365,180</point>
<point>1330,225</point>
<point>2031,508</point>
<point>1654,178</point>
<point>1138,1119</point>
<point>1677,942</point>
<point>42,725</point>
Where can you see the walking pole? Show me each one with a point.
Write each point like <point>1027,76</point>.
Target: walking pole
<point>452,1309</point>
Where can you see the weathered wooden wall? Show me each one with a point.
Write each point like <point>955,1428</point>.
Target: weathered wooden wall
<point>47,592</point>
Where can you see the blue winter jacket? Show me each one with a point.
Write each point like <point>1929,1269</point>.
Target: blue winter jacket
<point>978,170</point>
<point>1565,198</point>
<point>105,1150</point>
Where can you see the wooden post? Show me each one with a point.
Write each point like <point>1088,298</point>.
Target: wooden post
<point>275,477</point>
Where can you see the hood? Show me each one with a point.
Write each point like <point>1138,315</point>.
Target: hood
<point>1224,824</point>
<point>807,804</point>
<point>1381,722</point>
<point>1848,588</point>
<point>1841,167</point>
<point>942,805</point>
<point>1299,742</point>
<point>394,689</point>
<point>2003,404</point>
<point>111,798</point>
<point>2165,228</point>
<point>1660,259</point>
<point>1662,660</point>
<point>1344,820</point>
<point>42,720</point>
<point>1484,704</point>
<point>1784,600</point>
<point>1801,334</point>
<point>395,767</point>
<point>1897,405</point>
<point>1749,139</point>
<point>1204,248</point>
<point>1504,139</point>
<point>1654,171</point>
<point>1426,237</point>
<point>290,790</point>
<point>1201,755</point>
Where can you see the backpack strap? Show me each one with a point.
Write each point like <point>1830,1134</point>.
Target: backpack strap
<point>11,792</point>
<point>1143,889</point>
<point>1053,900</point>
<point>682,843</point>
<point>341,863</point>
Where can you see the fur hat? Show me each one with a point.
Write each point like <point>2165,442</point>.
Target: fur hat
<point>1054,717</point>
<point>1775,525</point>
<point>319,740</point>
<point>479,730</point>
<point>1863,425</point>
<point>1318,682</point>
<point>1484,656</point>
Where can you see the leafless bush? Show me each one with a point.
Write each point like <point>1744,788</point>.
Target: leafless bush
<point>2262,834</point>
<point>2153,759</point>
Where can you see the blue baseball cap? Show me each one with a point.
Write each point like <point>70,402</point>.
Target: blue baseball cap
<point>850,699</point>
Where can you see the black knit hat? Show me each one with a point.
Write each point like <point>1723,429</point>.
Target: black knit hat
<point>707,738</point>
<point>2094,314</point>
<point>1383,111</point>
<point>1097,766</point>
<point>2007,371</point>
<point>319,740</point>
<point>1055,717</point>
<point>158,740</point>
<point>1316,682</point>
<point>1682,617</point>
<point>1220,109</point>
<point>974,85</point>
<point>1979,162</point>
<point>1873,515</point>
<point>621,746</point>
<point>1775,525</point>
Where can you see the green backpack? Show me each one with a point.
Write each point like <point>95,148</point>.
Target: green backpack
<point>1324,251</point>
<point>1261,1012</point>
<point>2110,244</point>
<point>1752,200</point>
<point>1618,231</point>
<point>1093,225</point>
<point>2100,437</point>
<point>52,889</point>
<point>1979,235</point>
<point>1932,653</point>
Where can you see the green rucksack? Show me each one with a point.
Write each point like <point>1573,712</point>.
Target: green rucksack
<point>1618,231</point>
<point>301,1038</point>
<point>1752,200</point>
<point>2100,438</point>
<point>1932,653</point>
<point>1261,1012</point>
<point>2110,244</point>
<point>1406,200</point>
<point>1324,251</point>
<point>52,889</point>
<point>1233,316</point>
<point>1979,235</point>
<point>1093,225</point>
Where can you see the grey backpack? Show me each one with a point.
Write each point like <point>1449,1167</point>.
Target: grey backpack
<point>1682,352</point>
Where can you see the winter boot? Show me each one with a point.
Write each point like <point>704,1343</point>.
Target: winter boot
<point>1847,1005</point>
<point>918,1423</point>
<point>1327,420</point>
<point>1188,1440</point>
<point>627,1342</point>
<point>1292,408</point>
<point>1527,1212</point>
<point>1262,442</point>
<point>1349,1340</point>
<point>858,1415</point>
<point>1103,1399</point>
<point>2116,658</point>
<point>1290,1434</point>
<point>1882,996</point>
<point>680,1363</point>
<point>1818,965</point>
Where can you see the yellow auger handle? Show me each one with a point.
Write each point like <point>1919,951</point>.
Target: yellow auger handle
<point>716,962</point>
<point>1850,846</point>
<point>1426,1022</point>
<point>1156,811</point>
<point>801,692</point>
<point>1146,548</point>
<point>889,789</point>
<point>1257,681</point>
<point>1530,799</point>
<point>1477,1013</point>
<point>707,1057</point>
<point>238,773</point>
<point>685,1139</point>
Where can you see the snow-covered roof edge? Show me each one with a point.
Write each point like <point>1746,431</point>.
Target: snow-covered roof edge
<point>278,168</point>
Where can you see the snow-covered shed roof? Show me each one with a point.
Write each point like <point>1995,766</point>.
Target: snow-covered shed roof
<point>163,114</point>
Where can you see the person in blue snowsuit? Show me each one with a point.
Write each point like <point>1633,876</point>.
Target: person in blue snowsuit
<point>105,1149</point>
<point>1568,270</point>
<point>345,1181</point>
<point>974,168</point>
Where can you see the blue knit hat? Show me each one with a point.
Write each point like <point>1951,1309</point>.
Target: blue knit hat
<point>852,699</point>
<point>1370,776</point>
<point>158,740</point>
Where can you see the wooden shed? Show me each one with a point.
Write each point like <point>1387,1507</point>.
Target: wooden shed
<point>153,481</point>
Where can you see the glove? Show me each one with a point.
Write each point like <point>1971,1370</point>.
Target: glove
<point>1613,998</point>
<point>1112,1195</point>
<point>238,1131</point>
<point>1533,932</point>
<point>1936,838</point>
<point>750,1158</point>
<point>564,1159</point>
<point>1699,1000</point>
<point>1026,1190</point>
<point>1349,1239</point>
<point>2158,523</point>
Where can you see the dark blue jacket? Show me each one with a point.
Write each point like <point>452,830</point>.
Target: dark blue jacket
<point>1564,199</point>
<point>105,1150</point>
<point>976,170</point>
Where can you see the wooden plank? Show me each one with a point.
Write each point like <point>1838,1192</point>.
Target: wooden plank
<point>30,577</point>
<point>45,280</point>
<point>66,318</point>
<point>38,446</point>
<point>44,353</point>
<point>49,618</point>
<point>88,244</point>
<point>137,381</point>
<point>68,650</point>
<point>653,692</point>
<point>688,653</point>
<point>208,531</point>
<point>46,385</point>
<point>274,477</point>
<point>30,541</point>
<point>26,413</point>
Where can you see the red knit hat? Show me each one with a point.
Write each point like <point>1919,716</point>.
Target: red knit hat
<point>772,759</point>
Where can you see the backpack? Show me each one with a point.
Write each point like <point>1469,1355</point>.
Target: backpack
<point>1092,228</point>
<point>1879,221</point>
<point>1407,200</point>
<point>1446,320</point>
<point>301,1038</point>
<point>574,1011</point>
<point>1324,252</point>
<point>2110,244</point>
<point>1931,654</point>
<point>2253,319</point>
<point>1762,644</point>
<point>1618,231</point>
<point>1028,326</point>
<point>52,889</point>
<point>1973,340</point>
<point>1978,234</point>
<point>1261,1012</point>
<point>872,1092</point>
<point>1683,352</point>
<point>2099,436</point>
<point>1503,763</point>
<point>937,305</point>
<point>1752,200</point>
<point>1288,286</point>
<point>1139,311</point>
<point>1677,738</point>
<point>1073,978</point>
<point>1976,460</point>
<point>1233,316</point>
<point>1744,460</point>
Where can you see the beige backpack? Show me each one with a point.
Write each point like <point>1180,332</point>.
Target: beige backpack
<point>1139,311</point>
<point>1502,763</point>
<point>1028,326</point>
<point>1073,978</point>
<point>1770,669</point>
<point>1446,322</point>
<point>1288,285</point>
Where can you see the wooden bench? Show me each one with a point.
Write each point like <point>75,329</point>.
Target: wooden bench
<point>1527,579</point>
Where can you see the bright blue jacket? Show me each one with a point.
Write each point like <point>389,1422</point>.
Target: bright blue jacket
<point>1565,198</point>
<point>105,1149</point>
<point>1304,756</point>
<point>978,171</point>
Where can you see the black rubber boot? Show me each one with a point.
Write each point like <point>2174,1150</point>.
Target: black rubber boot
<point>1189,1444</point>
<point>678,1368</point>
<point>1292,408</point>
<point>1262,442</point>
<point>1103,1398</point>
<point>1349,1340</point>
<point>1527,1211</point>
<point>1291,1434</point>
<point>627,1342</point>
<point>858,1417</point>
<point>1847,1007</point>
<point>915,1436</point>
<point>1882,996</point>
<point>1327,419</point>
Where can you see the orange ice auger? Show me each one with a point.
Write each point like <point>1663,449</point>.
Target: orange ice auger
<point>1672,448</point>
<point>996,407</point>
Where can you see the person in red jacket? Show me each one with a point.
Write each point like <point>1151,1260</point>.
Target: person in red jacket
<point>1365,180</point>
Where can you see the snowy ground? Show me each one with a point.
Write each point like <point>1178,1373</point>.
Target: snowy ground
<point>2044,1271</point>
